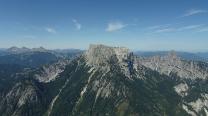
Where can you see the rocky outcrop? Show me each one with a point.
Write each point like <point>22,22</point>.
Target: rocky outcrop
<point>182,89</point>
<point>51,72</point>
<point>195,108</point>
<point>171,64</point>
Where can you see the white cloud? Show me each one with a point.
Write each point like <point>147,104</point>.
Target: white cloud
<point>194,12</point>
<point>114,26</point>
<point>50,30</point>
<point>77,24</point>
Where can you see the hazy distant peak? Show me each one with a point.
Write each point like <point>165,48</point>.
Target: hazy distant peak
<point>15,49</point>
<point>39,49</point>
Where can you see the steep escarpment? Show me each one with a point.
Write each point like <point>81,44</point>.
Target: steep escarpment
<point>105,57</point>
<point>99,55</point>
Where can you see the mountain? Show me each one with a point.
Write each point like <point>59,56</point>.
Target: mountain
<point>16,50</point>
<point>184,55</point>
<point>69,53</point>
<point>174,64</point>
<point>29,59</point>
<point>2,52</point>
<point>59,52</point>
<point>108,81</point>
<point>203,54</point>
<point>35,57</point>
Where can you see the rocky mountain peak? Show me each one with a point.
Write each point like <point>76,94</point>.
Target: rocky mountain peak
<point>99,55</point>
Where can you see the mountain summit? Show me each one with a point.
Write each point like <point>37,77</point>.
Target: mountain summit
<point>104,57</point>
<point>100,54</point>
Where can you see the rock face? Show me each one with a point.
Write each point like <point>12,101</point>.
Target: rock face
<point>172,64</point>
<point>51,72</point>
<point>109,81</point>
<point>99,55</point>
<point>23,99</point>
<point>181,89</point>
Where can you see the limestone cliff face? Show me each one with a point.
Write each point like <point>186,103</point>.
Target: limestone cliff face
<point>99,55</point>
<point>105,57</point>
<point>173,64</point>
<point>51,72</point>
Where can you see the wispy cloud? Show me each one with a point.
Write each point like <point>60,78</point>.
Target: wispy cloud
<point>194,12</point>
<point>114,26</point>
<point>190,27</point>
<point>204,29</point>
<point>158,26</point>
<point>164,30</point>
<point>77,24</point>
<point>161,28</point>
<point>50,30</point>
<point>176,28</point>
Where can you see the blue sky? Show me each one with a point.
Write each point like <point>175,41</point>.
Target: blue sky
<point>138,24</point>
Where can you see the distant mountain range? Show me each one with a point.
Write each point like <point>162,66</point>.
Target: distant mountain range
<point>200,56</point>
<point>34,57</point>
<point>24,49</point>
<point>17,50</point>
<point>102,81</point>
